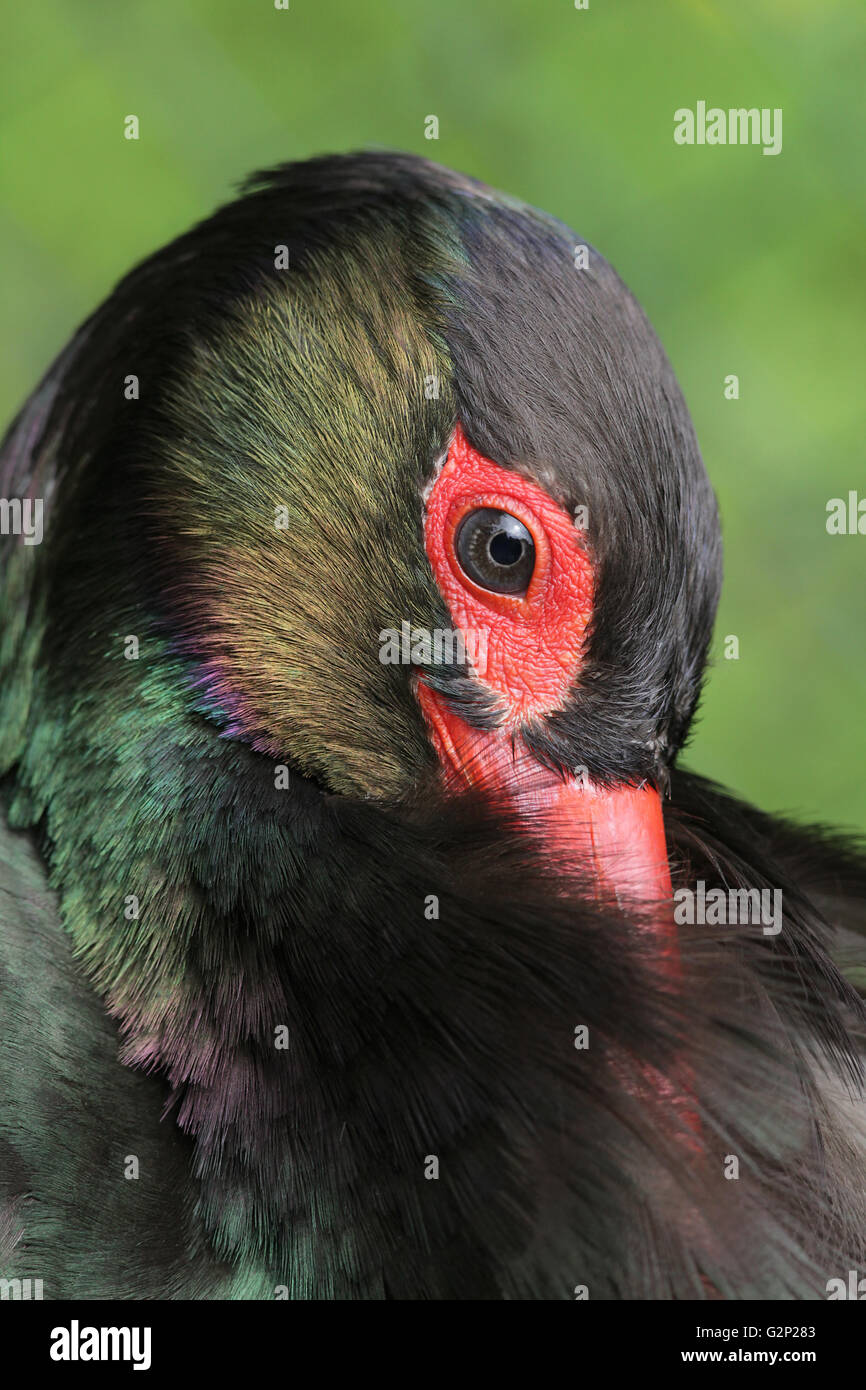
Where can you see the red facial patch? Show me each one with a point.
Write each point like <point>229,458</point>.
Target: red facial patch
<point>534,640</point>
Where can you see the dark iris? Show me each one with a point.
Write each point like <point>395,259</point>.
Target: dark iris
<point>496,551</point>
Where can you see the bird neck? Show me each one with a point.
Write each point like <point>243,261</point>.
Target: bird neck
<point>182,873</point>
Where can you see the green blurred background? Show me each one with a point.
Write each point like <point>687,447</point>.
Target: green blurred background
<point>746,264</point>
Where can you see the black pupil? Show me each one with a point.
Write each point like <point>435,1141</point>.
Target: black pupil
<point>505,550</point>
<point>496,551</point>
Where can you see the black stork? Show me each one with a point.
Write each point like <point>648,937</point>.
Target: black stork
<point>359,937</point>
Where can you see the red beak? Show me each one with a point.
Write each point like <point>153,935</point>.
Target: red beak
<point>617,831</point>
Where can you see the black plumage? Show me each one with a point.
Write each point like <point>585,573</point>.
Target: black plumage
<point>267,791</point>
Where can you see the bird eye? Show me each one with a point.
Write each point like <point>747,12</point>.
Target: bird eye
<point>496,551</point>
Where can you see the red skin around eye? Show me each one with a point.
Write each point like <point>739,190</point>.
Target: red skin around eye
<point>533,640</point>
<point>534,646</point>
